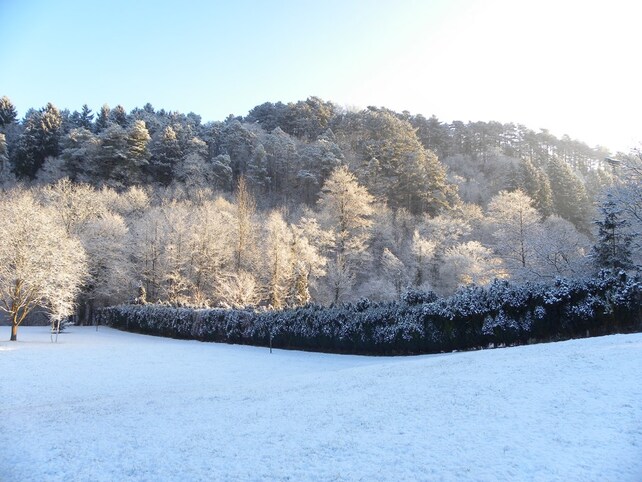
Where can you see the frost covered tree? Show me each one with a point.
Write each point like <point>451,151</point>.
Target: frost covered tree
<point>138,144</point>
<point>613,247</point>
<point>570,199</point>
<point>392,164</point>
<point>239,290</point>
<point>626,193</point>
<point>177,284</point>
<point>79,152</point>
<point>470,262</point>
<point>560,250</point>
<point>211,247</point>
<point>345,208</point>
<point>278,259</point>
<point>103,120</point>
<point>118,115</point>
<point>73,204</point>
<point>516,224</point>
<point>435,236</point>
<point>122,154</point>
<point>39,140</point>
<point>245,232</point>
<point>308,263</point>
<point>423,251</point>
<point>166,152</point>
<point>5,169</point>
<point>160,242</point>
<point>193,169</point>
<point>147,242</point>
<point>85,118</point>
<point>535,184</point>
<point>394,271</point>
<point>40,264</point>
<point>8,111</point>
<point>110,277</point>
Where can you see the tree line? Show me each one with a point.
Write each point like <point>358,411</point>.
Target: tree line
<point>297,203</point>
<point>287,151</point>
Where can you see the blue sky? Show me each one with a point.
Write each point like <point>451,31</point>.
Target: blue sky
<point>569,66</point>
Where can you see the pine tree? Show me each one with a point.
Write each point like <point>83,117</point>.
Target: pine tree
<point>8,112</point>
<point>613,248</point>
<point>86,118</point>
<point>166,153</point>
<point>119,116</point>
<point>569,194</point>
<point>103,120</point>
<point>39,140</point>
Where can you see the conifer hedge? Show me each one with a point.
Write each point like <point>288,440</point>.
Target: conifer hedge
<point>474,317</point>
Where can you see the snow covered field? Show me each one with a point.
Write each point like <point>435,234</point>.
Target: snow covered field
<point>117,406</point>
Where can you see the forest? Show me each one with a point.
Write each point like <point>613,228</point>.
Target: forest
<point>296,203</point>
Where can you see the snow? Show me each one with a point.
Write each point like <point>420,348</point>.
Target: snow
<point>107,405</point>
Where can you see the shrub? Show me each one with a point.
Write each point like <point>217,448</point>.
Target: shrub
<point>474,317</point>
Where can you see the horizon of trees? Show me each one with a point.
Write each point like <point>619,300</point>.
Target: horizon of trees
<point>308,202</point>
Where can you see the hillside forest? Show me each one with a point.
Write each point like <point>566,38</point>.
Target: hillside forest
<point>296,203</point>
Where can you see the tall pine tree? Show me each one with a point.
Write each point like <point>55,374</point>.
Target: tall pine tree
<point>613,247</point>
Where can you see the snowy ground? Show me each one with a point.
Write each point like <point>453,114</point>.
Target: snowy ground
<point>116,406</point>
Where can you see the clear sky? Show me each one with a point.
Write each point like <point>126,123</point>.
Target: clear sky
<point>570,66</point>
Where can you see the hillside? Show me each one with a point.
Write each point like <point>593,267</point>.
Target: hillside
<point>251,211</point>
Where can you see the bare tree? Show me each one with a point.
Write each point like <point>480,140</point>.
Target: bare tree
<point>468,263</point>
<point>278,259</point>
<point>516,226</point>
<point>40,264</point>
<point>245,227</point>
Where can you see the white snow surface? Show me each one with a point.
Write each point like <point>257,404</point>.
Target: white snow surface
<point>112,406</point>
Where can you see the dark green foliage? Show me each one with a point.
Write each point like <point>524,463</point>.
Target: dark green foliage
<point>570,199</point>
<point>391,162</point>
<point>613,248</point>
<point>501,314</point>
<point>82,119</point>
<point>39,140</point>
<point>103,120</point>
<point>119,116</point>
<point>8,111</point>
<point>166,152</point>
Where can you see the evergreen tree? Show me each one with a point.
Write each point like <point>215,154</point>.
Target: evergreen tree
<point>39,140</point>
<point>119,116</point>
<point>392,164</point>
<point>103,119</point>
<point>79,152</point>
<point>112,155</point>
<point>138,141</point>
<point>165,154</point>
<point>238,142</point>
<point>570,200</point>
<point>613,247</point>
<point>8,112</point>
<point>257,171</point>
<point>543,199</point>
<point>86,118</point>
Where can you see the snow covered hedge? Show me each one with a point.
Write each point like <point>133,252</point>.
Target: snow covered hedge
<point>475,317</point>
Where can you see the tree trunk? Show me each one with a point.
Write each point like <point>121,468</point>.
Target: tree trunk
<point>14,332</point>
